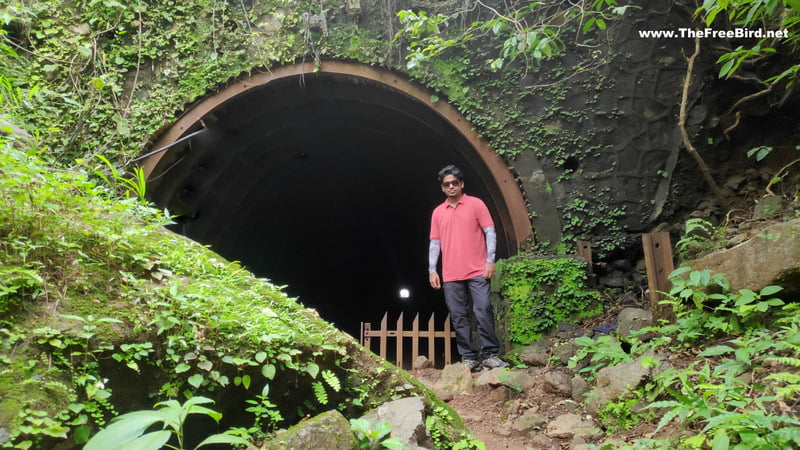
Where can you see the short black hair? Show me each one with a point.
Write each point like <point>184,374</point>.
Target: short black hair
<point>451,170</point>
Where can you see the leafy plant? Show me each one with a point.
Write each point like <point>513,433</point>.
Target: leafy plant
<point>604,351</point>
<point>699,237</point>
<point>130,430</point>
<point>724,396</point>
<point>135,186</point>
<point>702,313</point>
<point>14,281</point>
<point>778,15</point>
<point>377,437</point>
<point>619,415</point>
<point>531,31</point>
<point>266,413</point>
<point>439,424</point>
<point>729,414</point>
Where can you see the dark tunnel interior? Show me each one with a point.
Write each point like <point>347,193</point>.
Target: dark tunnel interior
<point>325,184</point>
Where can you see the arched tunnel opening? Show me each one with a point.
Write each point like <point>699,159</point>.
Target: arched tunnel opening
<point>324,182</point>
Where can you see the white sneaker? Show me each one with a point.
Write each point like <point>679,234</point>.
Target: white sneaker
<point>471,364</point>
<point>494,362</point>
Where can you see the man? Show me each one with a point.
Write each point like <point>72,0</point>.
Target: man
<point>462,230</point>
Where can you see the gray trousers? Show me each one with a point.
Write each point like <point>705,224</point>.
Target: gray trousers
<point>455,296</point>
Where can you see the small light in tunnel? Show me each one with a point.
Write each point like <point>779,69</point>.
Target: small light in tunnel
<point>405,293</point>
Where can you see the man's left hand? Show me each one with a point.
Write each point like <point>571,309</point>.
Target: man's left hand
<point>488,270</point>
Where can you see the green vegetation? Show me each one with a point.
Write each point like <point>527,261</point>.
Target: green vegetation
<point>528,31</point>
<point>772,15</point>
<point>699,237</point>
<point>377,437</point>
<point>440,424</point>
<point>128,430</point>
<point>97,296</point>
<point>739,393</point>
<point>541,293</point>
<point>619,415</point>
<point>93,291</point>
<point>109,75</point>
<point>102,79</point>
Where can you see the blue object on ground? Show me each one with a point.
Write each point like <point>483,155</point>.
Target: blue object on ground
<point>605,329</point>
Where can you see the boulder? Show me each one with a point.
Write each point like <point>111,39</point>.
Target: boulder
<point>422,362</point>
<point>769,206</point>
<point>456,379</point>
<point>579,388</point>
<point>565,351</point>
<point>772,257</point>
<point>567,426</point>
<point>536,354</point>
<point>616,382</point>
<point>558,383</point>
<point>529,420</point>
<point>329,430</point>
<point>633,319</point>
<point>517,380</point>
<point>407,419</point>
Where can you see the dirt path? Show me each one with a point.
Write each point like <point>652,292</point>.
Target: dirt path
<point>490,412</point>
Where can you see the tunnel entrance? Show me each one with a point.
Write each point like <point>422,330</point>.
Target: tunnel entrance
<point>324,181</point>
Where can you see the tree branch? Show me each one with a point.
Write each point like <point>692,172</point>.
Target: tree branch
<point>687,142</point>
<point>750,97</point>
<point>778,173</point>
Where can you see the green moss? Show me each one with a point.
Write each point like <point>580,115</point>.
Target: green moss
<point>541,293</point>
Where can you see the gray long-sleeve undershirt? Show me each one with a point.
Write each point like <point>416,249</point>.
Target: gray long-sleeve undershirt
<point>435,248</point>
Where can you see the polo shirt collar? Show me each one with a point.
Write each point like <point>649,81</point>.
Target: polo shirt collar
<point>460,201</point>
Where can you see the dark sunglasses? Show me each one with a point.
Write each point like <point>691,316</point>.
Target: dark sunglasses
<point>451,183</point>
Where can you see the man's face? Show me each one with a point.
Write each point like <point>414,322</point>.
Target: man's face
<point>452,186</point>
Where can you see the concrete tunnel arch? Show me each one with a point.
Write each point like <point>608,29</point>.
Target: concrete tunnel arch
<point>323,179</point>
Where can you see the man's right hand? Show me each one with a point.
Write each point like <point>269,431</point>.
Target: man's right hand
<point>433,277</point>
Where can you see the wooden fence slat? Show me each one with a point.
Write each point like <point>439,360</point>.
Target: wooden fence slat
<point>399,343</point>
<point>431,334</point>
<point>415,339</point>
<point>384,326</point>
<point>447,351</point>
<point>366,334</point>
<point>658,261</point>
<point>431,341</point>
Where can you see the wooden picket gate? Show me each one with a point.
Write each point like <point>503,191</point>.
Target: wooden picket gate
<point>384,334</point>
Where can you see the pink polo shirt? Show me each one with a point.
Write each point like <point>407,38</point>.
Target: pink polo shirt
<point>460,231</point>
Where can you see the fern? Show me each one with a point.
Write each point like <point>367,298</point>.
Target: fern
<point>789,361</point>
<point>791,384</point>
<point>319,392</point>
<point>332,380</point>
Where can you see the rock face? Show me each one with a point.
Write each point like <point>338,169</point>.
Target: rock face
<point>332,431</point>
<point>456,379</point>
<point>329,430</point>
<point>760,262</point>
<point>407,419</point>
<point>615,382</point>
